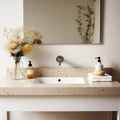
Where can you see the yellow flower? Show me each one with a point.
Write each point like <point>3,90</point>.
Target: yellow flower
<point>13,41</point>
<point>26,48</point>
<point>12,45</point>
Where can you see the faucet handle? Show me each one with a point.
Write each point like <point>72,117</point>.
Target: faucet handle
<point>59,59</point>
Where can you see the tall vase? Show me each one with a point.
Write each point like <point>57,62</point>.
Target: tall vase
<point>18,73</point>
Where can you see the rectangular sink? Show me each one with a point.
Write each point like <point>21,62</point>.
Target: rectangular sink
<point>60,80</point>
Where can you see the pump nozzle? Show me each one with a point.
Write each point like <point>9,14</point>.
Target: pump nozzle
<point>29,64</point>
<point>99,60</point>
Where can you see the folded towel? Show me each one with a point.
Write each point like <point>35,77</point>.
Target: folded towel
<point>104,78</point>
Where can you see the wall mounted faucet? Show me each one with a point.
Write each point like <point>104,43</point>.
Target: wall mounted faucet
<point>59,59</point>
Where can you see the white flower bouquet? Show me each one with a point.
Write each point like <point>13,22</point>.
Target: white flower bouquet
<point>19,43</point>
<point>20,40</point>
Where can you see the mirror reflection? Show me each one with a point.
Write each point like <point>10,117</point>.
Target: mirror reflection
<point>64,21</point>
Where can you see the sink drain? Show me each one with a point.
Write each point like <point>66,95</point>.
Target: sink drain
<point>59,80</point>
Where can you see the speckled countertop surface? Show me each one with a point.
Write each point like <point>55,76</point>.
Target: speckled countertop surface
<point>29,88</point>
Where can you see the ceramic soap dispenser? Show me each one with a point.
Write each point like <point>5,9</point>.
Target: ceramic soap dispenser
<point>98,68</point>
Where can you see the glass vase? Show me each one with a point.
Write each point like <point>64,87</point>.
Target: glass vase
<point>18,73</point>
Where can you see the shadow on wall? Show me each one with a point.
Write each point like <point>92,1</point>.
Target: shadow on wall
<point>39,55</point>
<point>102,21</point>
<point>58,115</point>
<point>116,72</point>
<point>70,63</point>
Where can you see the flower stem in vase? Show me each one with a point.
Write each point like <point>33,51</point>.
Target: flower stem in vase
<point>18,73</point>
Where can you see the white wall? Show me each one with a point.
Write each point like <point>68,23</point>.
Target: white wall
<point>75,55</point>
<point>11,15</point>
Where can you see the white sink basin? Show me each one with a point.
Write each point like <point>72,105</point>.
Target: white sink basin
<point>60,80</point>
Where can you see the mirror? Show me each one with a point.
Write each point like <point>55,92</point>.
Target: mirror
<point>64,21</point>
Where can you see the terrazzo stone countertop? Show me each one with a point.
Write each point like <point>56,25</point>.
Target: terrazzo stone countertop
<point>29,88</point>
